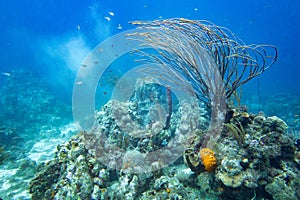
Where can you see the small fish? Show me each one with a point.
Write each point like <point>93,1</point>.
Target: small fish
<point>78,27</point>
<point>136,23</point>
<point>296,115</point>
<point>6,74</point>
<point>119,27</point>
<point>195,9</point>
<point>82,65</point>
<point>164,142</point>
<point>160,17</point>
<point>79,83</point>
<point>111,13</point>
<point>107,18</point>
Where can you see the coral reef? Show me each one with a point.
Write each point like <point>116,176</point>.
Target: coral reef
<point>265,155</point>
<point>67,175</point>
<point>284,105</point>
<point>258,163</point>
<point>27,101</point>
<point>133,152</point>
<point>117,158</point>
<point>32,124</point>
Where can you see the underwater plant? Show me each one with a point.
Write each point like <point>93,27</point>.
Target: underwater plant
<point>209,58</point>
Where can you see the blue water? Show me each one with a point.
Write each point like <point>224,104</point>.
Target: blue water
<point>45,35</point>
<point>43,43</point>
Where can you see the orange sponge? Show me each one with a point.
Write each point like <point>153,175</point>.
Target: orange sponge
<point>208,159</point>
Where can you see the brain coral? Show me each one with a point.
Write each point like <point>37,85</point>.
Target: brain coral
<point>208,159</point>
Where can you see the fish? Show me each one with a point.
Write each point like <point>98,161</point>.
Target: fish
<point>107,18</point>
<point>79,83</point>
<point>78,27</point>
<point>195,9</point>
<point>111,13</point>
<point>119,27</point>
<point>136,23</point>
<point>6,74</point>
